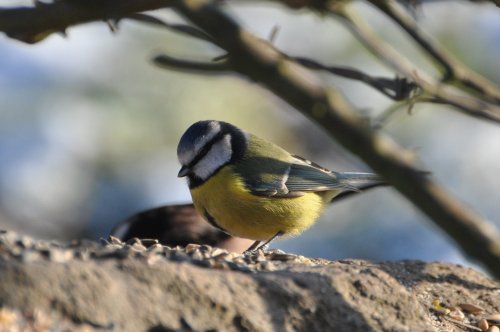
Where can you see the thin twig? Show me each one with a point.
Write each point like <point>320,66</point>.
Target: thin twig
<point>217,68</point>
<point>467,104</point>
<point>453,69</point>
<point>396,89</point>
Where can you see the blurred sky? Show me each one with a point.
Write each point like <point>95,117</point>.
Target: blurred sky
<point>89,127</point>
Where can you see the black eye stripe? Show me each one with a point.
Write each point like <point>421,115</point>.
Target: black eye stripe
<point>203,152</point>
<point>238,148</point>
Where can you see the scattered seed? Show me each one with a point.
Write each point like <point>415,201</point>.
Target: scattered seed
<point>205,248</point>
<point>114,240</point>
<point>114,246</point>
<point>456,314</point>
<point>231,256</point>
<point>138,247</point>
<point>493,319</point>
<point>219,252</point>
<point>459,323</point>
<point>483,324</point>
<point>197,256</point>
<point>471,308</point>
<point>191,247</point>
<point>149,242</point>
<point>155,248</point>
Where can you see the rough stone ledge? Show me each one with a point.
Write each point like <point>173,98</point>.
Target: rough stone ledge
<point>144,286</point>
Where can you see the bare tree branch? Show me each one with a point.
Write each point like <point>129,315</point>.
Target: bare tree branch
<point>461,100</point>
<point>453,69</point>
<point>33,24</point>
<point>397,89</point>
<point>258,60</point>
<point>45,19</point>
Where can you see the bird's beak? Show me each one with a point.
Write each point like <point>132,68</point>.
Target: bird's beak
<point>183,171</point>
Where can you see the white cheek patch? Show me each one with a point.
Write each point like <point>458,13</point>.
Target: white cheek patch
<point>219,154</point>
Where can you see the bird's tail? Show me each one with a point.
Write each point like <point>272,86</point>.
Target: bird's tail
<point>356,182</point>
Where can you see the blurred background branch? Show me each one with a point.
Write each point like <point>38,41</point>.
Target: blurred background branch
<point>452,70</point>
<point>473,94</point>
<point>433,87</point>
<point>290,78</point>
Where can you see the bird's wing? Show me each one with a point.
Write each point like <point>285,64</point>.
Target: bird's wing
<point>304,176</point>
<point>300,176</point>
<point>308,176</point>
<point>280,174</point>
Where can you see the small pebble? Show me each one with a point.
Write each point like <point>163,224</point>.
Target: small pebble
<point>60,256</point>
<point>28,256</point>
<point>152,259</point>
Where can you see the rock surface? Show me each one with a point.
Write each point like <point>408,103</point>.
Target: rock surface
<point>143,286</point>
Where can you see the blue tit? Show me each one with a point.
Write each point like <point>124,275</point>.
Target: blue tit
<point>251,188</point>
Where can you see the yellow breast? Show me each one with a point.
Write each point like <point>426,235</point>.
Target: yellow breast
<point>243,214</point>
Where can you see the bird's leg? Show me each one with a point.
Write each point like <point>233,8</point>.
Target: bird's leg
<point>257,244</point>
<point>253,247</point>
<point>264,245</point>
